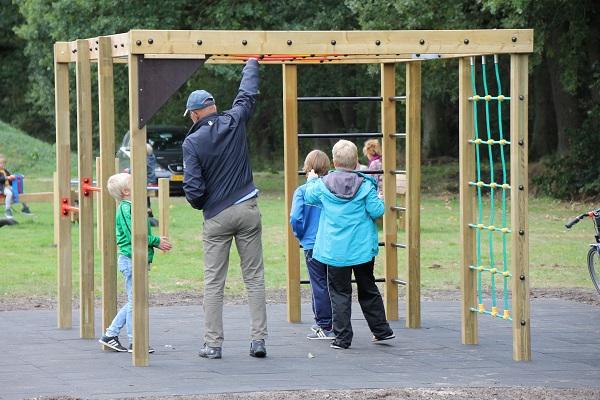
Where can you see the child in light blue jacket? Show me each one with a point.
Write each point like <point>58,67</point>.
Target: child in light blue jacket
<point>347,242</point>
<point>304,219</point>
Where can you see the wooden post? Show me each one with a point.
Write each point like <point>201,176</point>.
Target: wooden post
<point>290,160</point>
<point>413,195</point>
<point>139,221</point>
<point>63,190</point>
<point>468,206</point>
<point>86,212</point>
<point>97,198</point>
<point>390,227</point>
<point>519,94</point>
<point>163,207</point>
<point>106,205</point>
<point>55,206</point>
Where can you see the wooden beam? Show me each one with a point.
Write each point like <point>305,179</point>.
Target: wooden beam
<point>138,222</point>
<point>119,47</point>
<point>413,196</point>
<point>55,206</point>
<point>519,93</point>
<point>98,209</point>
<point>468,206</point>
<point>86,216</point>
<point>40,197</point>
<point>390,228</point>
<point>331,42</point>
<point>163,207</point>
<point>106,205</point>
<point>290,161</point>
<point>63,185</point>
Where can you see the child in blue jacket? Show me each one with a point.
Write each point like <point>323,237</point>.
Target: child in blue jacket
<point>304,219</point>
<point>347,242</point>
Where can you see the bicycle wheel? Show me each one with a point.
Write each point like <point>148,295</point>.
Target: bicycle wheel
<point>594,266</point>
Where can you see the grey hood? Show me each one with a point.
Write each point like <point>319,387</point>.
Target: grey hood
<point>343,184</point>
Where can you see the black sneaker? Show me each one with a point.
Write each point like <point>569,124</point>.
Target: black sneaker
<point>258,349</point>
<point>130,350</point>
<point>113,343</point>
<point>26,211</point>
<point>382,338</point>
<point>338,346</point>
<point>210,352</point>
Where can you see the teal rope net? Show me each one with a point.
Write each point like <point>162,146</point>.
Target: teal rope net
<point>490,266</point>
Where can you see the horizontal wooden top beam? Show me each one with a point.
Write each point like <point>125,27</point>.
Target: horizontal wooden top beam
<point>384,44</point>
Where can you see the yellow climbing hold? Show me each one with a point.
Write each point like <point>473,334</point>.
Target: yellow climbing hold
<point>502,141</point>
<point>505,273</point>
<point>480,226</point>
<point>481,308</point>
<point>493,185</point>
<point>501,98</point>
<point>480,183</point>
<point>491,227</point>
<point>480,268</point>
<point>504,230</point>
<point>506,314</point>
<point>490,141</point>
<point>477,141</point>
<point>493,270</point>
<point>476,98</point>
<point>494,311</point>
<point>505,186</point>
<point>488,97</point>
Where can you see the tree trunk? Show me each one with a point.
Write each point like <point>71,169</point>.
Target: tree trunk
<point>543,133</point>
<point>436,135</point>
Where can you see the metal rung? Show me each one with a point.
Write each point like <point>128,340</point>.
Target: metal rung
<point>347,98</point>
<point>397,98</point>
<point>340,135</point>
<point>399,281</point>
<point>398,135</point>
<point>397,208</point>
<point>366,172</point>
<point>307,282</point>
<point>398,245</point>
<point>381,244</point>
<point>398,172</point>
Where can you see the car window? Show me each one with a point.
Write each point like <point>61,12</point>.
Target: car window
<point>165,140</point>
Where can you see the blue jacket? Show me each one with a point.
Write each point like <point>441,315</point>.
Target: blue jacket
<point>216,165</point>
<point>347,233</point>
<point>304,219</point>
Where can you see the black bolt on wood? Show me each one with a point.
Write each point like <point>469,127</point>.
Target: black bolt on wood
<point>514,39</point>
<point>122,44</point>
<point>377,42</point>
<point>289,42</point>
<point>521,187</point>
<point>199,42</point>
<point>244,42</point>
<point>522,277</point>
<point>521,97</point>
<point>90,49</point>
<point>422,42</point>
<point>333,42</point>
<point>466,41</point>
<point>523,323</point>
<point>521,142</point>
<point>96,42</point>
<point>74,51</point>
<point>418,55</point>
<point>138,42</point>
<point>150,41</point>
<point>95,48</point>
<point>521,232</point>
<point>116,46</point>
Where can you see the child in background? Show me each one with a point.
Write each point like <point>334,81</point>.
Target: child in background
<point>119,187</point>
<point>304,219</point>
<point>372,150</point>
<point>6,189</point>
<point>347,242</point>
<point>151,179</point>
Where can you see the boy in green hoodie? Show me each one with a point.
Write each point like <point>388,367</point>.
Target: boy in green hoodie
<point>119,187</point>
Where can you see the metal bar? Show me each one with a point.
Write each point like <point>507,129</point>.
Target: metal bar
<point>340,135</point>
<point>398,135</point>
<point>366,172</point>
<point>399,281</point>
<point>397,208</point>
<point>397,98</point>
<point>343,98</point>
<point>398,245</point>
<point>398,172</point>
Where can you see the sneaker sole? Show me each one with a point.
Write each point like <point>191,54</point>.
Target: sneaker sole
<point>259,354</point>
<point>377,340</point>
<point>320,338</point>
<point>150,351</point>
<point>110,346</point>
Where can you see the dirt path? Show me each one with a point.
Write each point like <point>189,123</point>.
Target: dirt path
<point>278,296</point>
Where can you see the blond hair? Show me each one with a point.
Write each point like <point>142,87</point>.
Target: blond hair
<point>372,148</point>
<point>345,154</point>
<point>117,183</point>
<point>318,161</point>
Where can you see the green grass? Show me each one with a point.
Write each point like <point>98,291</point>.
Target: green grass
<point>557,256</point>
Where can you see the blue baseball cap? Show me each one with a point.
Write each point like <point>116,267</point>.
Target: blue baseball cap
<point>197,100</point>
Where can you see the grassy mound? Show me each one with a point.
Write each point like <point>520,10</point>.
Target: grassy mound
<point>26,155</point>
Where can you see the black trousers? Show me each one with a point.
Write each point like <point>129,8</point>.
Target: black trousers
<point>340,291</point>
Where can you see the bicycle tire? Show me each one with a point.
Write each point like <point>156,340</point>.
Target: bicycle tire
<point>594,266</point>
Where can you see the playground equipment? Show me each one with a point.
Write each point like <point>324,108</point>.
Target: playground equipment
<point>159,62</point>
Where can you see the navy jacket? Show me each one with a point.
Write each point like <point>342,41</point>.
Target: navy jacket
<point>216,164</point>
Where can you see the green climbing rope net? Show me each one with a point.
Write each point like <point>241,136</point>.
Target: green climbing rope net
<point>490,265</point>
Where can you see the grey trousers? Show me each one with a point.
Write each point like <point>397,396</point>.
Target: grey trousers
<point>242,222</point>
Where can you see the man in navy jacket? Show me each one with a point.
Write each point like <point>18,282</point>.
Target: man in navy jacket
<point>218,180</point>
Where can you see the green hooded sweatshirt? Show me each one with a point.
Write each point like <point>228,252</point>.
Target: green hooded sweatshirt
<point>123,222</point>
